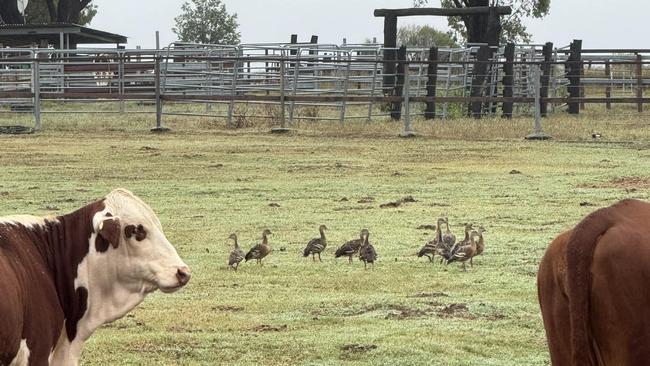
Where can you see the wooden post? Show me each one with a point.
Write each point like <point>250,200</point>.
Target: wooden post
<point>432,80</point>
<point>390,55</point>
<point>639,82</point>
<point>293,52</point>
<point>547,51</point>
<point>608,88</point>
<point>396,110</point>
<point>478,79</point>
<point>312,52</point>
<point>582,86</point>
<point>508,79</point>
<point>573,66</point>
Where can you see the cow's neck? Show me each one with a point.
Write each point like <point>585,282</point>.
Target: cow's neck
<point>63,244</point>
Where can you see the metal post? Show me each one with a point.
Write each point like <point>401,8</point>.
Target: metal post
<point>233,91</point>
<point>538,134</point>
<point>36,85</point>
<point>159,127</point>
<point>408,131</point>
<point>283,128</point>
<point>375,71</point>
<point>120,71</point>
<point>346,81</point>
<point>294,88</point>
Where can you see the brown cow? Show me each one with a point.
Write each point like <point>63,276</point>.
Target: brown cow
<point>593,289</point>
<point>63,277</point>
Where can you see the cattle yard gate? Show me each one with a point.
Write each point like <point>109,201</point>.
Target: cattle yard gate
<point>324,82</point>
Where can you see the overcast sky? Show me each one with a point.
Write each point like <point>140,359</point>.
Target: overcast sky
<point>599,23</point>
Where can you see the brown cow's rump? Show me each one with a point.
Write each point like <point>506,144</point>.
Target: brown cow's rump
<point>592,286</point>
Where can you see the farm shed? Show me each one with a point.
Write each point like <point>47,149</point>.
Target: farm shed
<point>58,35</point>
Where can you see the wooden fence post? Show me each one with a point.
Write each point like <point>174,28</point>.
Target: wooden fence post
<point>396,110</point>
<point>608,88</point>
<point>574,65</point>
<point>293,52</point>
<point>639,82</point>
<point>508,79</point>
<point>478,79</point>
<point>545,78</point>
<point>432,80</point>
<point>390,54</point>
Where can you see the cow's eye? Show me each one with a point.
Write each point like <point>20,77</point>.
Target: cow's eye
<point>138,231</point>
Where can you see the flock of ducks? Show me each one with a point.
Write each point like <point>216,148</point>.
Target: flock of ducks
<point>443,245</point>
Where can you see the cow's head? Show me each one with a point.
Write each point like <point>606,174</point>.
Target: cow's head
<point>130,239</point>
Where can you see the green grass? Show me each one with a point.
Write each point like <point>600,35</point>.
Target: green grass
<point>205,184</point>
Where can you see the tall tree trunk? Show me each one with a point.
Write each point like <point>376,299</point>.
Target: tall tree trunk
<point>51,9</point>
<point>477,25</point>
<point>9,12</point>
<point>63,11</point>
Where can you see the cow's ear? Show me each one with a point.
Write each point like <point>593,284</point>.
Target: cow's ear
<point>109,229</point>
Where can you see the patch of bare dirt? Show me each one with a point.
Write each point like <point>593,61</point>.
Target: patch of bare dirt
<point>358,348</point>
<point>459,310</point>
<point>407,199</point>
<point>390,204</point>
<point>228,308</point>
<point>353,208</point>
<point>427,227</point>
<point>269,328</point>
<point>406,313</point>
<point>628,183</point>
<point>366,200</point>
<point>430,294</point>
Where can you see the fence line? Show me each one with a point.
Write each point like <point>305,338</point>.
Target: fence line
<point>302,79</point>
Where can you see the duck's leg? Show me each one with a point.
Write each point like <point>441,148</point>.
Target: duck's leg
<point>471,263</point>
<point>319,259</point>
<point>350,259</point>
<point>464,267</point>
<point>313,257</point>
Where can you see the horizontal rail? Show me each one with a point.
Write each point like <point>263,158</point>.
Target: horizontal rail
<point>324,99</point>
<point>475,10</point>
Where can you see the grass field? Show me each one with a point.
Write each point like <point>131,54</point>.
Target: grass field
<point>207,183</point>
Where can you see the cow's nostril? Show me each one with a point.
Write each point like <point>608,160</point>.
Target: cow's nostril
<point>183,274</point>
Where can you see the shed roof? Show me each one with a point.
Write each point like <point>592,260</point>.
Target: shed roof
<point>26,34</point>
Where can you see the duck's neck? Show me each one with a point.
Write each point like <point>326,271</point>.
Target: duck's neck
<point>322,235</point>
<point>265,240</point>
<point>439,232</point>
<point>467,234</point>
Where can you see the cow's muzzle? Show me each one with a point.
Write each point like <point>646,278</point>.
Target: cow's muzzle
<point>183,275</point>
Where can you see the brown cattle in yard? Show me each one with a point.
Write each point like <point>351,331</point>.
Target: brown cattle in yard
<point>62,277</point>
<point>593,286</point>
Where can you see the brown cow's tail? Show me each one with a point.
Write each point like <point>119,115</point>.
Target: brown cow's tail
<point>579,256</point>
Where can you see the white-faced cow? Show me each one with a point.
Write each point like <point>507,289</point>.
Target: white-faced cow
<point>63,277</point>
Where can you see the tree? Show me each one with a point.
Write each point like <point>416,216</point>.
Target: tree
<point>206,21</point>
<point>424,36</point>
<point>47,11</point>
<point>9,13</point>
<point>472,28</point>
